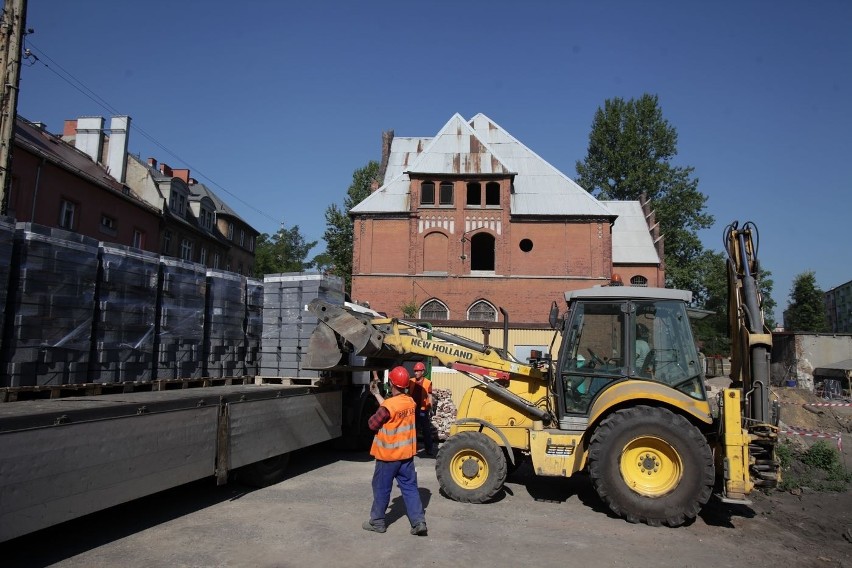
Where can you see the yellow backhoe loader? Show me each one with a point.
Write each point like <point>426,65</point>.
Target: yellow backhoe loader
<point>623,398</point>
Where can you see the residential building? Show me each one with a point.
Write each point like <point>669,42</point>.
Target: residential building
<point>59,185</point>
<point>194,224</point>
<point>838,303</point>
<point>188,232</point>
<point>470,222</point>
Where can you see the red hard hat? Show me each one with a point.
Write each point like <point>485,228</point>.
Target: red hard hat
<point>399,378</point>
<point>419,366</point>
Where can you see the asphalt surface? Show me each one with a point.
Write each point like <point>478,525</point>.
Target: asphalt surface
<point>314,517</point>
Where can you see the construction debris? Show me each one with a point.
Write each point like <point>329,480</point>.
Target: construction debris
<point>445,412</point>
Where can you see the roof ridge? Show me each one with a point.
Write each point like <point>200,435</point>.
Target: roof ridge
<point>421,157</point>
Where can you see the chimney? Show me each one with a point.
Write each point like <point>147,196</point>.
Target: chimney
<point>117,151</point>
<point>387,140</point>
<point>152,162</point>
<point>165,170</point>
<point>69,130</point>
<point>181,174</point>
<point>90,136</point>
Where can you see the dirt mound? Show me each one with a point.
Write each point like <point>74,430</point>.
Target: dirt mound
<point>802,410</point>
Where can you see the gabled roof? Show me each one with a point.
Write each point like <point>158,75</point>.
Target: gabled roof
<point>480,146</point>
<point>52,148</point>
<point>631,240</point>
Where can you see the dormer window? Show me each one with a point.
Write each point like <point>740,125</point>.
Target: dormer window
<point>177,203</point>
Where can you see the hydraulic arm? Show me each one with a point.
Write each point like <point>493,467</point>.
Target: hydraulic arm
<point>341,332</point>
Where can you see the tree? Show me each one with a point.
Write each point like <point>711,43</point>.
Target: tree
<point>806,310</point>
<point>338,234</point>
<point>712,331</point>
<point>630,150</point>
<point>285,251</point>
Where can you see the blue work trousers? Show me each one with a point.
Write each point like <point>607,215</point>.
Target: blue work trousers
<point>423,422</point>
<point>406,478</point>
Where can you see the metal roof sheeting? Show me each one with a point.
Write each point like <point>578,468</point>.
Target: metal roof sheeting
<point>481,146</point>
<point>631,240</point>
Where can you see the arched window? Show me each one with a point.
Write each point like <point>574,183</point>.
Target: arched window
<point>474,193</point>
<point>482,311</point>
<point>446,197</point>
<point>427,193</point>
<point>639,281</point>
<point>434,310</point>
<point>492,194</point>
<point>482,252</point>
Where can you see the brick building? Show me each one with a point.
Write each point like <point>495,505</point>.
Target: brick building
<point>59,185</point>
<point>471,221</point>
<point>192,222</point>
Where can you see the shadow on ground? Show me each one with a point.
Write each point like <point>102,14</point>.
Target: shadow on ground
<point>68,539</point>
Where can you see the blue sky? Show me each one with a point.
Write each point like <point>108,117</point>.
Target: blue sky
<point>275,104</point>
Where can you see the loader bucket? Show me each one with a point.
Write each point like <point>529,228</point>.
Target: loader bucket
<point>340,332</point>
<point>323,349</point>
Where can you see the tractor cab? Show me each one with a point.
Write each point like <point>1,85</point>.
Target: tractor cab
<point>616,334</point>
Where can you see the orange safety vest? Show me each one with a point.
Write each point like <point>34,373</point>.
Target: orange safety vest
<point>397,438</point>
<point>426,386</point>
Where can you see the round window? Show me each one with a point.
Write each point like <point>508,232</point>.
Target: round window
<point>526,245</point>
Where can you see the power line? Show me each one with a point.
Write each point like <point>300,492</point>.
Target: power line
<point>69,78</point>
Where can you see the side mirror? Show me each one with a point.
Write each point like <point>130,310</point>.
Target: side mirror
<point>554,319</point>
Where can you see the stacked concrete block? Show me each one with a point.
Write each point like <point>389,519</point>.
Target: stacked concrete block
<point>254,325</point>
<point>7,237</point>
<point>124,330</point>
<point>287,326</point>
<point>180,313</point>
<point>224,324</point>
<point>50,307</point>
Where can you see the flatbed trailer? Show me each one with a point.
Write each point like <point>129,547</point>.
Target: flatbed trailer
<point>63,458</point>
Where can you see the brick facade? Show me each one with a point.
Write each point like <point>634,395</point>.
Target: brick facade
<point>456,222</point>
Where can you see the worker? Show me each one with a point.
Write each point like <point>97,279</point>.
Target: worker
<point>394,447</point>
<point>642,347</point>
<point>421,392</point>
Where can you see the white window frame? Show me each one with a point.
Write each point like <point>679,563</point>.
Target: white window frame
<point>186,249</point>
<point>67,214</point>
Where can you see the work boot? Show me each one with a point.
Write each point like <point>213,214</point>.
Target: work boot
<point>419,529</point>
<point>368,526</point>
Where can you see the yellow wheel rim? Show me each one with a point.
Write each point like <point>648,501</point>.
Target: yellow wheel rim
<point>651,466</point>
<point>468,469</point>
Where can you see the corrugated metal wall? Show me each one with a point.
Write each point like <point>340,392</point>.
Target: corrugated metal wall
<point>520,343</point>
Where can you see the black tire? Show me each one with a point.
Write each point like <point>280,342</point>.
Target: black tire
<point>264,473</point>
<point>470,467</point>
<point>650,465</point>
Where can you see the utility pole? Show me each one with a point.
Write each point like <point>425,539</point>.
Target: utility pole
<point>11,38</point>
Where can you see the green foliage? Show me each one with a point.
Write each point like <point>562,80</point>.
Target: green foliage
<point>784,453</point>
<point>338,236</point>
<point>712,331</point>
<point>285,251</point>
<point>409,309</point>
<point>630,150</point>
<point>806,310</point>
<point>819,468</point>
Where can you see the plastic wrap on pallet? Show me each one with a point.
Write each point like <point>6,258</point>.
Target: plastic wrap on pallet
<point>52,284</point>
<point>7,235</point>
<point>126,314</point>
<point>254,325</point>
<point>183,290</point>
<point>225,318</point>
<point>287,326</point>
